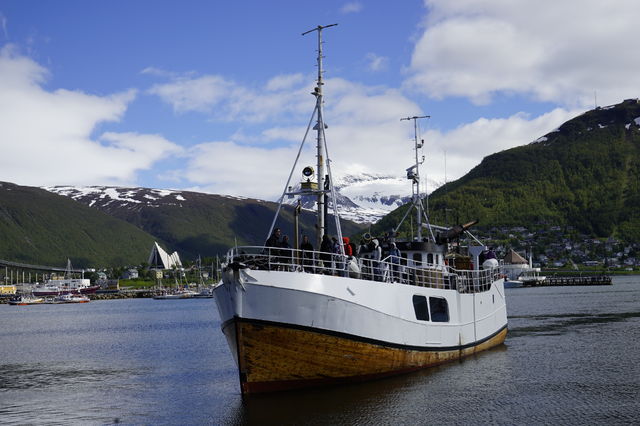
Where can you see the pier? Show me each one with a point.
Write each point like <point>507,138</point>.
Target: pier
<point>558,280</point>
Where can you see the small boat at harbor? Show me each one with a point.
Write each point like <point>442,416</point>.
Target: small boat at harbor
<point>24,300</point>
<point>532,277</point>
<point>65,285</point>
<point>180,294</point>
<point>519,272</point>
<point>297,317</point>
<point>71,298</point>
<point>206,293</point>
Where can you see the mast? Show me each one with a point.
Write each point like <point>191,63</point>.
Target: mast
<point>324,185</point>
<point>413,173</point>
<point>320,145</point>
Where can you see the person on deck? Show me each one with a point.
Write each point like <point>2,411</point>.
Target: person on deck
<point>326,248</point>
<point>490,254</point>
<point>307,254</point>
<point>274,239</point>
<point>285,253</point>
<point>394,256</point>
<point>364,253</point>
<point>376,256</point>
<point>272,242</point>
<point>337,252</point>
<point>348,250</point>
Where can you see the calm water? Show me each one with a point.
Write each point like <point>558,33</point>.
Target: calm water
<point>572,356</point>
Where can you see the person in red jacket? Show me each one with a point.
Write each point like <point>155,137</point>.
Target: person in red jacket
<point>348,250</point>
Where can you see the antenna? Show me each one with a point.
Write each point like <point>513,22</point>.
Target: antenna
<point>413,173</point>
<point>319,28</point>
<point>445,166</point>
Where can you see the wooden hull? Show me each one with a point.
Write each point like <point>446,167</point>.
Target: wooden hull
<point>273,356</point>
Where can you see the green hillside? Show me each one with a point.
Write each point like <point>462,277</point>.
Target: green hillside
<point>39,227</point>
<point>207,224</point>
<point>586,174</point>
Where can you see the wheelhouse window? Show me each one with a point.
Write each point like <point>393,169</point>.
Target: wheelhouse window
<point>430,258</point>
<point>417,257</point>
<point>420,307</point>
<point>439,309</point>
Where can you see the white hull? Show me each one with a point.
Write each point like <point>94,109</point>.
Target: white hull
<point>367,309</point>
<point>380,315</point>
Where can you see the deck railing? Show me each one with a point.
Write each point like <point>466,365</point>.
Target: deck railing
<point>391,269</point>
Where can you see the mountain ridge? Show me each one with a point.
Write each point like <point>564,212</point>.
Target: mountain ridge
<point>194,223</point>
<point>585,173</point>
<point>39,227</point>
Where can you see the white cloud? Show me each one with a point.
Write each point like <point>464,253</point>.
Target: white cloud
<point>558,51</point>
<point>377,63</point>
<point>364,134</point>
<point>45,136</point>
<point>159,72</point>
<point>351,7</point>
<point>284,82</point>
<point>233,169</point>
<point>224,99</point>
<point>198,94</point>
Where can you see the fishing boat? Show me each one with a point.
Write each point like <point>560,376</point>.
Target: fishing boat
<point>66,284</point>
<point>179,294</point>
<point>532,277</point>
<point>297,318</point>
<point>518,271</point>
<point>205,293</point>
<point>25,299</point>
<point>71,298</point>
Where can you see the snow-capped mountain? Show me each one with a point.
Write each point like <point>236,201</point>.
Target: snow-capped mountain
<point>106,197</point>
<point>364,198</point>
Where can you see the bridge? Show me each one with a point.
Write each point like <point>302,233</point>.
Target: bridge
<point>8,264</point>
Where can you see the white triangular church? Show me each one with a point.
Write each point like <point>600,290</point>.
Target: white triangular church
<point>160,259</point>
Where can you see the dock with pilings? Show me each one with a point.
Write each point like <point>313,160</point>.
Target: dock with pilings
<point>560,280</point>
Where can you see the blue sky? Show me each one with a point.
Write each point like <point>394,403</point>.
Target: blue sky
<point>214,96</point>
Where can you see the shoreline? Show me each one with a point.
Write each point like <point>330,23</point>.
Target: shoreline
<point>127,294</point>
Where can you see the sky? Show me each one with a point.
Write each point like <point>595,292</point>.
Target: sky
<point>214,96</point>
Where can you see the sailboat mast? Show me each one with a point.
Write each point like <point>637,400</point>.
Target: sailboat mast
<point>320,145</point>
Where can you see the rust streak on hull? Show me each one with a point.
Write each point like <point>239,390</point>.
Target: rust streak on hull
<point>275,357</point>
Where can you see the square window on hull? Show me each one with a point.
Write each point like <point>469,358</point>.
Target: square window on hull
<point>439,309</point>
<point>420,307</point>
